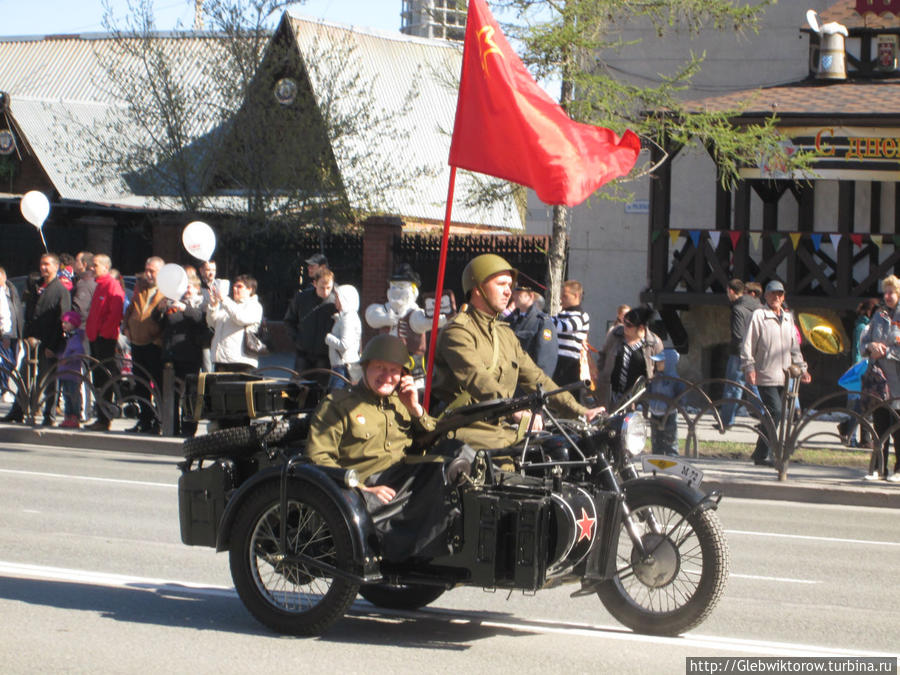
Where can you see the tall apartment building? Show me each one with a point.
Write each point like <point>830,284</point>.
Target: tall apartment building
<point>445,19</point>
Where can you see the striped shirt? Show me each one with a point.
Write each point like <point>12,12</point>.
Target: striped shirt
<point>627,373</point>
<point>572,325</point>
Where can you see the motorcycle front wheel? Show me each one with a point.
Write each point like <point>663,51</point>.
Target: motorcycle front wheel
<point>284,592</point>
<point>679,584</point>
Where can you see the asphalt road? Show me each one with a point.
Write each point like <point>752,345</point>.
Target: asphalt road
<point>93,577</point>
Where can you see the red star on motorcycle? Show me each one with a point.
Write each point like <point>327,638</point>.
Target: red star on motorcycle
<point>586,525</point>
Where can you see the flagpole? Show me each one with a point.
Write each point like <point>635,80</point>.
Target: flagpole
<point>439,287</point>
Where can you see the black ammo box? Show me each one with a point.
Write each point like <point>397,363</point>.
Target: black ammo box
<point>507,539</point>
<point>201,501</point>
<point>215,396</point>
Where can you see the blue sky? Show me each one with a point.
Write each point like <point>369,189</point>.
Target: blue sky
<point>49,17</point>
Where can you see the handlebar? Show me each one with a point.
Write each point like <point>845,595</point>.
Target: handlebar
<point>489,411</point>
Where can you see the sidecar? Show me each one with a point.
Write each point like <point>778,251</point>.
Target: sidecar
<point>302,544</point>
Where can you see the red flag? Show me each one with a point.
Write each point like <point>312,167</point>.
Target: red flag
<point>507,126</point>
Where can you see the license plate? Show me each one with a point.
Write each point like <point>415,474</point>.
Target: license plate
<point>672,465</point>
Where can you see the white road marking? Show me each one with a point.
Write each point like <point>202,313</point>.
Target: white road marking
<point>612,632</point>
<point>836,540</point>
<point>786,580</point>
<point>67,476</point>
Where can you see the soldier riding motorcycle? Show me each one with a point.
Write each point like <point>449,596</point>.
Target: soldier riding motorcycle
<point>573,509</point>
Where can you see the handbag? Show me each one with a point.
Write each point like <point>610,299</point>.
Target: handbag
<point>874,382</point>
<point>852,379</point>
<point>256,339</point>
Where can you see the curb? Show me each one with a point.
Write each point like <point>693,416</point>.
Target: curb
<point>117,441</point>
<point>805,491</point>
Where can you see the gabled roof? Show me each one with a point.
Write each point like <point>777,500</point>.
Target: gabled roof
<point>392,63</point>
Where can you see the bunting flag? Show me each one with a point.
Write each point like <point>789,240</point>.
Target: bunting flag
<point>835,240</point>
<point>655,235</point>
<point>507,126</point>
<point>735,236</point>
<point>876,239</point>
<point>856,239</point>
<point>754,239</point>
<point>714,237</point>
<point>673,236</point>
<point>816,240</point>
<point>695,237</point>
<point>795,238</point>
<point>776,240</point>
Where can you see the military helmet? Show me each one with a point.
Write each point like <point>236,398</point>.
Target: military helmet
<point>484,266</point>
<point>388,348</point>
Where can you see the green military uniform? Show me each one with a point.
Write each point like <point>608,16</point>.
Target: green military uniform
<point>357,429</point>
<point>479,358</point>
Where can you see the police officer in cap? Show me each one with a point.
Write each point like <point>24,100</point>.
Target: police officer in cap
<point>533,327</point>
<point>479,358</point>
<point>369,428</point>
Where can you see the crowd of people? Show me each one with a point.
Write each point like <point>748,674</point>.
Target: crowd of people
<point>81,325</point>
<point>77,306</point>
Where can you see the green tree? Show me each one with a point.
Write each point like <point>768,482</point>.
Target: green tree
<point>566,41</point>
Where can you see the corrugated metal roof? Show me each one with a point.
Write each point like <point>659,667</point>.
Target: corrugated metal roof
<point>391,63</point>
<point>63,101</point>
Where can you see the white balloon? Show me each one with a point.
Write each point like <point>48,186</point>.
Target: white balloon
<point>172,281</point>
<point>199,240</point>
<point>35,208</point>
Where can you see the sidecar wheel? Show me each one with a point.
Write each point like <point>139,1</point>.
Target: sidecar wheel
<point>402,596</point>
<point>245,441</point>
<point>681,586</point>
<point>292,597</point>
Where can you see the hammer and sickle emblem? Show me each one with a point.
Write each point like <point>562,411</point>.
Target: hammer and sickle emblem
<point>486,45</point>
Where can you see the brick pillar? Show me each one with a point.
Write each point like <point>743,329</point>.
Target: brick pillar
<point>377,263</point>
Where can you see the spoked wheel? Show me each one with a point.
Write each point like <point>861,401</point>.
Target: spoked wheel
<point>289,591</point>
<point>401,596</point>
<point>679,583</point>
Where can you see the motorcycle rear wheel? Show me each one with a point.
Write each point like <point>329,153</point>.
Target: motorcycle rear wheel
<point>686,579</point>
<point>402,596</point>
<point>291,597</point>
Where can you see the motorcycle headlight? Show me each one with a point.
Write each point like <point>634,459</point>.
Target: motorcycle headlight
<point>634,433</point>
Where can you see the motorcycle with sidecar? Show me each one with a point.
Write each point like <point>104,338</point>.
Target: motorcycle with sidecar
<point>582,506</point>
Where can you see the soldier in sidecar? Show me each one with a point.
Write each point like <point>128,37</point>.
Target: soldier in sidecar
<point>369,428</point>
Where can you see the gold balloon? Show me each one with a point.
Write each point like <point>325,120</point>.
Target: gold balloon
<point>822,334</point>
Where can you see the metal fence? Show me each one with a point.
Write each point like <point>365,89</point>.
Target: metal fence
<point>124,390</point>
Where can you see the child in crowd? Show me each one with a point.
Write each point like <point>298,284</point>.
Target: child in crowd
<point>344,339</point>
<point>664,430</point>
<point>66,272</point>
<point>69,370</point>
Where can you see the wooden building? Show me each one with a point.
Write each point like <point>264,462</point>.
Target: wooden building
<point>831,235</point>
